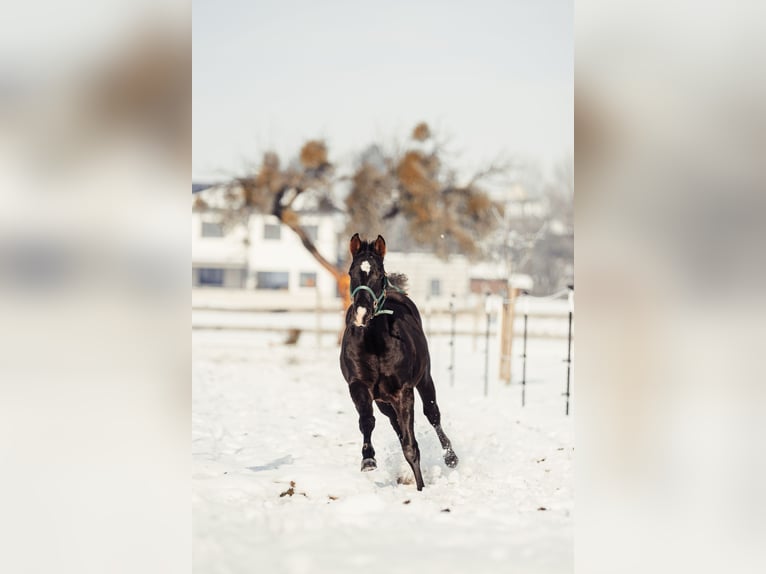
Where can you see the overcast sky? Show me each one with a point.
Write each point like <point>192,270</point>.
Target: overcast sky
<point>495,76</point>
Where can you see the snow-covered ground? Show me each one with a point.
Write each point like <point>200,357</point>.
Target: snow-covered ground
<point>265,414</point>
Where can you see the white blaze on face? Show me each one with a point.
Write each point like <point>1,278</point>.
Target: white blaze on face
<point>360,313</point>
<point>365,266</point>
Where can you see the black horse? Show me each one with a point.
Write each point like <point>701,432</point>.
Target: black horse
<point>384,357</point>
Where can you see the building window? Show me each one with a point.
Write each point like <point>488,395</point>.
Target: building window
<point>210,277</point>
<point>312,231</point>
<point>436,287</point>
<point>277,280</point>
<point>308,279</point>
<point>272,231</point>
<point>212,229</point>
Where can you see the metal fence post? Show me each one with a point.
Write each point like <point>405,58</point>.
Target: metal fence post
<point>569,343</point>
<point>452,343</point>
<point>524,353</point>
<point>486,347</point>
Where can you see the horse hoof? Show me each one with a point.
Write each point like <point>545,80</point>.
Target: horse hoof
<point>450,459</point>
<point>369,464</point>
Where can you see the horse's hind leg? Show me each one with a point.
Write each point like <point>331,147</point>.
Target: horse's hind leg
<point>360,394</point>
<point>389,411</point>
<point>431,410</point>
<point>405,414</point>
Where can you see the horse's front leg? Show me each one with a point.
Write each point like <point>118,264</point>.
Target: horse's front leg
<point>362,398</point>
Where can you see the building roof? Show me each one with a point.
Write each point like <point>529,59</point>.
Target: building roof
<point>199,186</point>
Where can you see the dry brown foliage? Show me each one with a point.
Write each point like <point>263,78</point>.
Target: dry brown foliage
<point>314,154</point>
<point>421,132</point>
<point>199,204</point>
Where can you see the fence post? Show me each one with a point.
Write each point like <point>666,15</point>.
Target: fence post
<point>452,342</point>
<point>318,314</point>
<point>486,346</point>
<point>569,342</point>
<point>476,327</point>
<point>506,337</point>
<point>524,353</point>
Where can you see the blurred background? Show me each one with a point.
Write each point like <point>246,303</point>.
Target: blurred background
<point>95,109</point>
<point>669,159</point>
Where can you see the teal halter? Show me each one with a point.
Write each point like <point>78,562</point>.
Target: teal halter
<point>379,300</point>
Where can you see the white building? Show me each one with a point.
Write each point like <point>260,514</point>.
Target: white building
<point>261,263</point>
<point>518,203</point>
<point>431,280</point>
<point>219,259</point>
<point>264,265</point>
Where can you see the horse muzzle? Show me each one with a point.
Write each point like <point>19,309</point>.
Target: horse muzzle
<point>362,316</point>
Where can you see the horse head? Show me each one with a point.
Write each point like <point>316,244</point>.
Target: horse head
<point>368,278</point>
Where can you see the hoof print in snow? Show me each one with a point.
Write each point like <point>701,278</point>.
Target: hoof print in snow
<point>446,510</point>
<point>542,508</point>
<point>331,497</point>
<point>406,502</point>
<point>291,491</point>
<point>404,480</point>
<point>369,464</point>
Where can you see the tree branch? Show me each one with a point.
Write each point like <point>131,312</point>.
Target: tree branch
<point>289,218</point>
<point>497,167</point>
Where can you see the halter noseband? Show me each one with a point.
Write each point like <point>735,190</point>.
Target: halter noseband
<point>380,300</point>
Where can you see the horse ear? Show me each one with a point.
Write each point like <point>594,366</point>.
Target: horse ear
<point>355,244</point>
<point>380,246</point>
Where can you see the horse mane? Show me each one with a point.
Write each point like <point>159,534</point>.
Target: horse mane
<point>399,280</point>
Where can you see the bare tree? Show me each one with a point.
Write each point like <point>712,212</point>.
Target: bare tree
<point>540,241</point>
